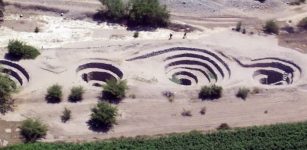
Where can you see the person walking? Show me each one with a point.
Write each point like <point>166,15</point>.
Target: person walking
<point>184,35</point>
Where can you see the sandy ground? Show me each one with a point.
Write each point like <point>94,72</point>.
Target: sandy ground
<point>67,43</point>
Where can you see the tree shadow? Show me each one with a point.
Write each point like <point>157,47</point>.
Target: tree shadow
<point>10,57</point>
<point>109,97</point>
<point>100,17</point>
<point>97,126</point>
<point>52,100</point>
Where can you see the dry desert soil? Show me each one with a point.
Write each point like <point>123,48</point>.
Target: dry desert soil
<point>72,45</point>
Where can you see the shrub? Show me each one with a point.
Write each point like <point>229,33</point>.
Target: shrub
<point>54,94</point>
<point>136,34</point>
<point>36,30</point>
<point>115,9</point>
<point>243,93</point>
<point>203,111</point>
<point>238,26</point>
<point>244,31</point>
<point>103,117</point>
<point>7,86</point>
<point>255,91</point>
<point>20,50</point>
<point>32,130</point>
<point>169,95</point>
<point>76,94</point>
<point>114,90</point>
<point>66,115</point>
<point>303,23</point>
<point>271,27</point>
<point>186,113</point>
<point>148,13</point>
<point>223,126</point>
<point>210,92</point>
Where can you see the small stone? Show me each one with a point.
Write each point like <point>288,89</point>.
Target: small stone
<point>8,130</point>
<point>17,129</point>
<point>5,143</point>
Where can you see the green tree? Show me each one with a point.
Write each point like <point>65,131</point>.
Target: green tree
<point>76,94</point>
<point>243,93</point>
<point>148,13</point>
<point>54,94</point>
<point>7,86</point>
<point>271,27</point>
<point>303,23</point>
<point>114,90</point>
<point>20,50</point>
<point>210,92</point>
<point>114,9</point>
<point>103,117</point>
<point>33,130</point>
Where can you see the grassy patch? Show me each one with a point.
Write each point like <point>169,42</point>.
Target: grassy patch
<point>280,136</point>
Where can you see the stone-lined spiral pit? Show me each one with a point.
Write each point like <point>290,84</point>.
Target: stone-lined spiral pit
<point>191,66</point>
<point>97,72</point>
<point>274,71</point>
<point>15,72</point>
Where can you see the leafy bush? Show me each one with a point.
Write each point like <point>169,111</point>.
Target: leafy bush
<point>210,92</point>
<point>114,90</point>
<point>238,26</point>
<point>148,13</point>
<point>203,110</point>
<point>54,94</point>
<point>137,13</point>
<point>7,86</point>
<point>243,93</point>
<point>66,115</point>
<point>76,94</point>
<point>169,95</point>
<point>32,130</point>
<point>271,27</point>
<point>303,23</point>
<point>20,50</point>
<point>186,113</point>
<point>136,34</point>
<point>103,117</point>
<point>115,9</point>
<point>36,30</point>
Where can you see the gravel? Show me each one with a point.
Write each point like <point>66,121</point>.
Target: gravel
<point>214,7</point>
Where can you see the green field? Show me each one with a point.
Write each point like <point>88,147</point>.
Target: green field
<point>280,137</point>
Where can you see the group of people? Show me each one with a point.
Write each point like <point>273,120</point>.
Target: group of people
<point>184,36</point>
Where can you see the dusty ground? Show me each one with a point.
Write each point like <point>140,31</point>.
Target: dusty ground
<point>66,42</point>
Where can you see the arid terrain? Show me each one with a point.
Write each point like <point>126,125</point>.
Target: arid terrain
<point>272,66</point>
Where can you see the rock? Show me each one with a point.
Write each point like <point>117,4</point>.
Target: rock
<point>5,143</point>
<point>8,130</point>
